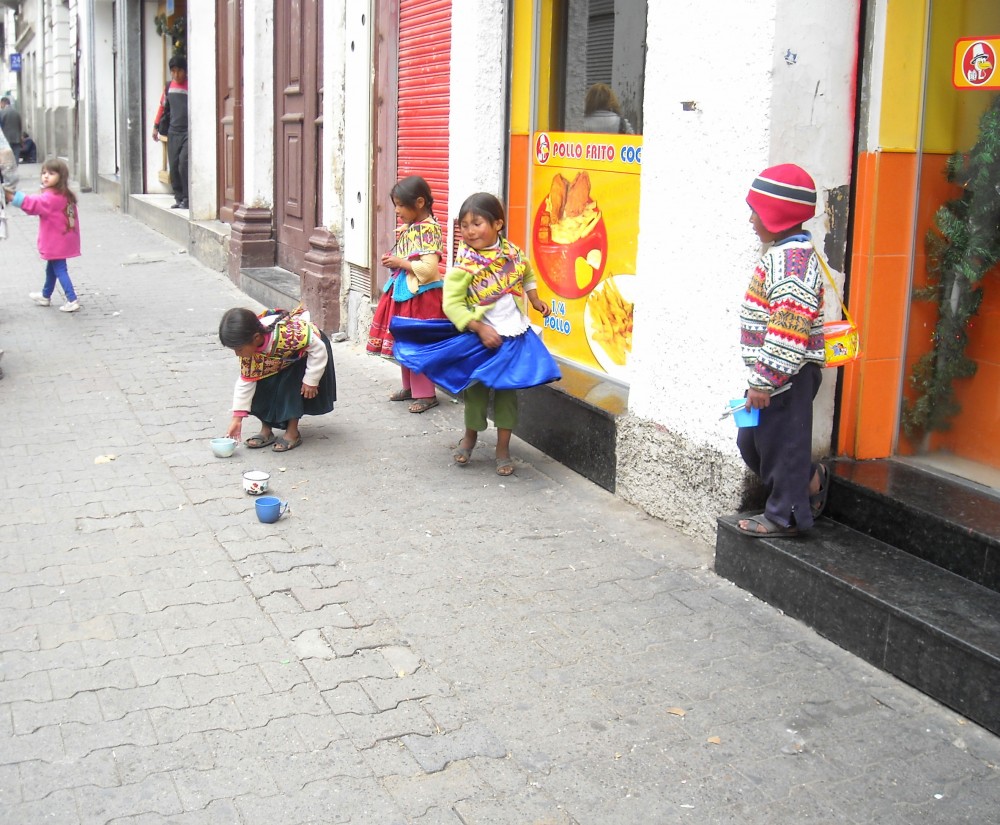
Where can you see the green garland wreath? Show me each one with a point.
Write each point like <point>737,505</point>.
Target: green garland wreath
<point>176,31</point>
<point>962,249</point>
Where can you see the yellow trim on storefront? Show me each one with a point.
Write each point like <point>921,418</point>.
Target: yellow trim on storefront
<point>902,75</point>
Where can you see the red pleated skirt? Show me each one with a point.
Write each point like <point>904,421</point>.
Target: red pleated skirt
<point>425,305</point>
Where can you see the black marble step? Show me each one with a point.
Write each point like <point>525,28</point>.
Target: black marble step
<point>575,420</point>
<point>908,617</point>
<point>943,520</point>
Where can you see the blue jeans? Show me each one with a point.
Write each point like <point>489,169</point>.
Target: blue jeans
<point>56,270</point>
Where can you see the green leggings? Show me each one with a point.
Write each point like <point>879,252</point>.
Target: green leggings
<point>477,400</point>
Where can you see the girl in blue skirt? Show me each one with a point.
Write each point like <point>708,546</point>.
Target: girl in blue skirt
<point>487,343</point>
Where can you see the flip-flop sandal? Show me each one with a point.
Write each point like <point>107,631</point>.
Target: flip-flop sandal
<point>817,501</point>
<point>420,405</point>
<point>256,442</point>
<point>283,445</point>
<point>461,456</point>
<point>771,529</point>
<point>401,395</point>
<point>505,467</point>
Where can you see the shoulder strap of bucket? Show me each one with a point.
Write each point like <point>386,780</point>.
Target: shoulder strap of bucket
<point>833,284</point>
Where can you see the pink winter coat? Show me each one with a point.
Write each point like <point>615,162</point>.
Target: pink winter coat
<point>55,241</point>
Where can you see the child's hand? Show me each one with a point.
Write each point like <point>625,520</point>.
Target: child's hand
<point>757,399</point>
<point>392,261</point>
<point>489,337</point>
<point>541,307</point>
<point>8,194</point>
<point>235,428</point>
<point>309,391</point>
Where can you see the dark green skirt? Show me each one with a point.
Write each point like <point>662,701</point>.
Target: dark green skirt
<point>279,398</point>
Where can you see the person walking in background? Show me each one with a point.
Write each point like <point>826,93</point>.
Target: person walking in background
<point>781,340</point>
<point>29,151</point>
<point>487,344</point>
<point>13,128</point>
<point>286,371</point>
<point>414,288</point>
<point>58,230</point>
<point>171,121</point>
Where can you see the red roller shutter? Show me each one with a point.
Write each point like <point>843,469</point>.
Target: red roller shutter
<point>423,102</point>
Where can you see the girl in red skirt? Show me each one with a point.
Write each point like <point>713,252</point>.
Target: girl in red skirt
<point>414,287</point>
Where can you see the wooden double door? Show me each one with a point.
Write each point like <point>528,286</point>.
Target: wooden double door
<point>298,127</point>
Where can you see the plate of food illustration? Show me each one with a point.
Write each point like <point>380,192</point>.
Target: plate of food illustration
<point>570,240</point>
<point>607,321</point>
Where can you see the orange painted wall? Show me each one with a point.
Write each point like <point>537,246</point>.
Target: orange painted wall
<point>878,294</point>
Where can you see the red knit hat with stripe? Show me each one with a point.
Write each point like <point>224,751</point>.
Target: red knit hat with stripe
<point>783,197</point>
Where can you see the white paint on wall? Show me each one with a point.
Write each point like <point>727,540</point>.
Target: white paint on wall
<point>696,247</point>
<point>334,114</point>
<point>875,70</point>
<point>258,103</point>
<point>357,154</point>
<point>774,85</point>
<point>478,115</point>
<point>104,76</point>
<point>202,110</point>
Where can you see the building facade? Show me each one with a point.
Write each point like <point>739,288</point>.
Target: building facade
<point>304,114</point>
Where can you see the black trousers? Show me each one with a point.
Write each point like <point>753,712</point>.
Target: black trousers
<point>779,450</point>
<point>177,158</point>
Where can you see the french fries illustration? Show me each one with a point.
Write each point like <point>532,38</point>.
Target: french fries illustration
<point>611,317</point>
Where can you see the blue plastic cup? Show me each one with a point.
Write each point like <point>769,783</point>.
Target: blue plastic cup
<point>270,509</point>
<point>742,416</point>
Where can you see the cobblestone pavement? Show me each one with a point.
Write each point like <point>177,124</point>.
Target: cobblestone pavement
<point>414,643</point>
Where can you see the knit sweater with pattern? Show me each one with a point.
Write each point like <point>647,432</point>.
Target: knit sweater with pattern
<point>781,319</point>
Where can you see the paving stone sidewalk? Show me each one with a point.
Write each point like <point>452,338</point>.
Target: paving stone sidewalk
<point>415,642</point>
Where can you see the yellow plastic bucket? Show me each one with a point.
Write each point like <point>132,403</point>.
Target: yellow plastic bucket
<point>840,342</point>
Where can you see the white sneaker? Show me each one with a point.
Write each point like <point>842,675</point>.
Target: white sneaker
<point>71,306</point>
<point>40,299</point>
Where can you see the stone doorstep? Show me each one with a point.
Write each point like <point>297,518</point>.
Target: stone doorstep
<point>272,286</point>
<point>906,616</point>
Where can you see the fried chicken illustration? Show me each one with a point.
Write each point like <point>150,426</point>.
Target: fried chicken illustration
<point>578,195</point>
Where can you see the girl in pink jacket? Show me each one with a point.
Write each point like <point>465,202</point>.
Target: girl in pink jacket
<point>58,230</point>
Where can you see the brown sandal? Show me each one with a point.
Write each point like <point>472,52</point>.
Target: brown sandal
<point>420,405</point>
<point>401,395</point>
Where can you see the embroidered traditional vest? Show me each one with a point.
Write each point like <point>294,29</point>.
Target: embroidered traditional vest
<point>495,272</point>
<point>284,345</point>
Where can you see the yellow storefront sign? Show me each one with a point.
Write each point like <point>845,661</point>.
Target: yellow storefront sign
<point>975,65</point>
<point>583,237</point>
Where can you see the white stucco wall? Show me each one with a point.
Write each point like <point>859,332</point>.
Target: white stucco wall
<point>203,124</point>
<point>696,246</point>
<point>747,108</point>
<point>104,90</point>
<point>258,103</point>
<point>478,84</point>
<point>334,59</point>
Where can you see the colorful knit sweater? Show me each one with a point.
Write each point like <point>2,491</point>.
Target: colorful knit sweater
<point>781,320</point>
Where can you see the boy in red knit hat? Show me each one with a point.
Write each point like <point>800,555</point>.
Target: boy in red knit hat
<point>781,324</point>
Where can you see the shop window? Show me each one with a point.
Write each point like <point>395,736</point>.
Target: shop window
<point>603,63</point>
<point>950,413</point>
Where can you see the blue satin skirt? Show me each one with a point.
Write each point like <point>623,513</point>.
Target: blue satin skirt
<point>454,360</point>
